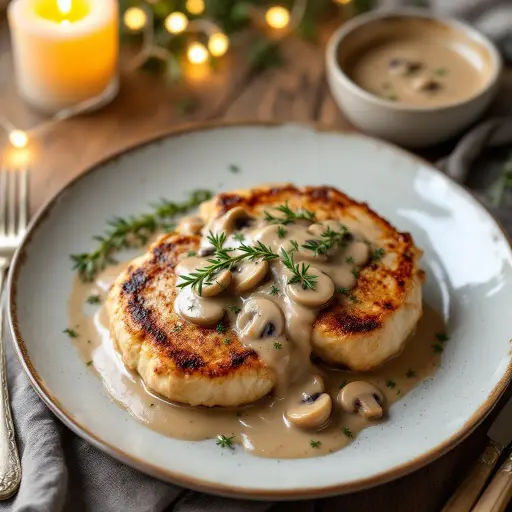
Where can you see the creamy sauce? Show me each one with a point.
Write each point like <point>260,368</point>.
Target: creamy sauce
<point>311,410</point>
<point>416,71</point>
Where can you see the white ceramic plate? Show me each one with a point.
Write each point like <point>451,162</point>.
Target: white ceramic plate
<point>469,280</point>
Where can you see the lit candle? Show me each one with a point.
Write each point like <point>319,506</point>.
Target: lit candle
<point>65,51</point>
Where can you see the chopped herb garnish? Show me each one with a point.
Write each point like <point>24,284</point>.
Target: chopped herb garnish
<point>234,168</point>
<point>191,253</point>
<point>347,432</point>
<point>238,413</point>
<point>315,444</point>
<point>239,237</point>
<point>281,232</point>
<point>289,215</point>
<point>392,97</point>
<point>93,299</point>
<point>274,290</point>
<point>151,405</point>
<point>88,363</point>
<point>220,328</point>
<point>177,328</point>
<point>343,384</point>
<point>299,271</point>
<point>226,341</point>
<point>222,259</point>
<point>438,348</point>
<point>391,384</point>
<point>442,337</point>
<point>355,272</point>
<point>329,239</point>
<point>191,307</point>
<point>350,260</point>
<point>377,254</point>
<point>278,346</point>
<point>71,333</point>
<point>225,442</point>
<point>235,309</point>
<point>344,291</point>
<point>398,391</point>
<point>410,373</point>
<point>441,72</point>
<point>294,245</point>
<point>353,299</point>
<point>131,232</point>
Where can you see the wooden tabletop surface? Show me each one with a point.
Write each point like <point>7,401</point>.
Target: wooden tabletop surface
<point>146,105</point>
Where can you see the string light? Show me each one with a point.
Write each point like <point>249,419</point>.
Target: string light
<point>18,138</point>
<point>277,17</point>
<point>218,44</point>
<point>176,22</point>
<point>197,53</point>
<point>135,18</point>
<point>195,6</point>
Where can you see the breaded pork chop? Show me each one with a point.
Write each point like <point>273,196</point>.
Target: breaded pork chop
<point>175,358</point>
<point>192,364</point>
<point>371,324</point>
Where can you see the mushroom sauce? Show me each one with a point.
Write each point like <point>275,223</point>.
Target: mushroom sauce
<point>314,409</point>
<point>416,71</point>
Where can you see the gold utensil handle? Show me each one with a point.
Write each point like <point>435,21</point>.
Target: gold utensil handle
<point>10,468</point>
<point>499,492</point>
<point>469,490</point>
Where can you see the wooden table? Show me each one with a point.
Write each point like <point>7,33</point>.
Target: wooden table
<point>295,92</point>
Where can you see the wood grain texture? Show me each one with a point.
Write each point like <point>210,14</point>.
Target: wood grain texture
<point>295,92</point>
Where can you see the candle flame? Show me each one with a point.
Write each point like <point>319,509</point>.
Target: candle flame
<point>64,6</point>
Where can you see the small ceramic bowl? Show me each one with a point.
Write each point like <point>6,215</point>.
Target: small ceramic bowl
<point>409,125</point>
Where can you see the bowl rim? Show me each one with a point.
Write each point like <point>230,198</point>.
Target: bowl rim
<point>350,26</point>
<point>195,483</point>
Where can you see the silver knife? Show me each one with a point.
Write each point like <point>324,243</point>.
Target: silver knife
<point>500,435</point>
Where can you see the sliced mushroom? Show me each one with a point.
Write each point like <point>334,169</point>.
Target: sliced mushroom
<point>317,297</point>
<point>260,318</point>
<point>425,84</point>
<point>198,310</point>
<point>363,397</point>
<point>312,412</point>
<point>217,284</point>
<point>235,219</point>
<point>248,274</point>
<point>359,252</point>
<point>190,225</point>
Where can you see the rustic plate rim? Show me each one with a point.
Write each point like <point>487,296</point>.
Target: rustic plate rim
<point>197,483</point>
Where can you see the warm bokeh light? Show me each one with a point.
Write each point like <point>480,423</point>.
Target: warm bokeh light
<point>18,138</point>
<point>197,53</point>
<point>218,44</point>
<point>195,6</point>
<point>135,18</point>
<point>277,17</point>
<point>343,2</point>
<point>176,22</point>
<point>64,6</point>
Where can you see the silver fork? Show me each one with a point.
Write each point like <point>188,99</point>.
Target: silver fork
<point>13,224</point>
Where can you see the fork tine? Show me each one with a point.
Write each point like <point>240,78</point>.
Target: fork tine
<point>3,202</point>
<point>11,203</point>
<point>23,201</point>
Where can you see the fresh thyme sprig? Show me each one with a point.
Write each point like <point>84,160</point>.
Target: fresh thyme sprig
<point>299,271</point>
<point>132,232</point>
<point>328,239</point>
<point>289,215</point>
<point>225,442</point>
<point>222,259</point>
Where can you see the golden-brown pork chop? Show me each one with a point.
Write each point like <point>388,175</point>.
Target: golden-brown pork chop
<point>175,358</point>
<point>192,364</point>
